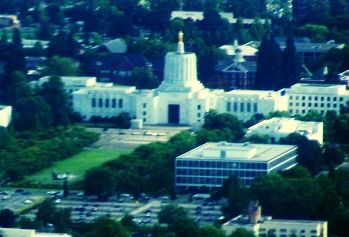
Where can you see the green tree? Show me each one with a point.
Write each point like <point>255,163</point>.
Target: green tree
<point>46,211</point>
<point>143,78</point>
<point>7,218</point>
<point>213,120</point>
<point>241,232</point>
<point>211,231</point>
<point>184,227</point>
<point>54,94</point>
<point>170,213</point>
<point>268,74</point>
<point>105,227</point>
<point>60,66</point>
<point>99,181</point>
<point>291,67</point>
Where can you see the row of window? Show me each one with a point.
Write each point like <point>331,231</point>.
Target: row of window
<point>316,98</point>
<point>188,181</point>
<point>220,164</point>
<point>242,107</point>
<point>107,103</point>
<point>219,173</point>
<point>321,105</point>
<point>305,111</point>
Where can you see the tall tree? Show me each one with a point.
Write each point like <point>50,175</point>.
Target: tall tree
<point>7,218</point>
<point>291,67</point>
<point>268,64</point>
<point>99,181</point>
<point>54,94</point>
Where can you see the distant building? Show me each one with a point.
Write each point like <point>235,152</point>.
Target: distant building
<point>29,44</point>
<point>199,16</point>
<point>308,52</point>
<point>9,21</point>
<point>247,52</point>
<point>344,77</point>
<point>5,115</point>
<point>113,46</point>
<point>117,67</point>
<point>240,73</point>
<point>277,128</point>
<point>303,98</point>
<point>208,165</point>
<point>12,232</point>
<point>264,226</point>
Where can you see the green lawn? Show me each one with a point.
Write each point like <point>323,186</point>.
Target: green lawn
<point>75,166</point>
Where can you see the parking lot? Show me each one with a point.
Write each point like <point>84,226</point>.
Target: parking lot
<point>112,138</point>
<point>144,212</point>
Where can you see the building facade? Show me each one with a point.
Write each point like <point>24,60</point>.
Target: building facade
<point>208,165</point>
<point>13,232</point>
<point>264,226</point>
<point>277,128</point>
<point>5,115</point>
<point>322,98</point>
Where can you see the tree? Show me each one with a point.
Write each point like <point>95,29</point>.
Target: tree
<point>54,94</point>
<point>46,211</point>
<point>123,120</point>
<point>241,232</point>
<point>291,67</point>
<point>65,188</point>
<point>213,120</point>
<point>268,72</point>
<point>99,181</point>
<point>211,231</point>
<point>338,7</point>
<point>7,218</point>
<point>184,227</point>
<point>143,78</point>
<point>15,60</point>
<point>32,113</point>
<point>16,88</point>
<point>170,213</point>
<point>105,227</point>
<point>60,66</point>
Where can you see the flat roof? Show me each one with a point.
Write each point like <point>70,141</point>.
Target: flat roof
<point>262,152</point>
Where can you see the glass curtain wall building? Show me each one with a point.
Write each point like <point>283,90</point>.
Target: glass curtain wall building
<point>209,164</point>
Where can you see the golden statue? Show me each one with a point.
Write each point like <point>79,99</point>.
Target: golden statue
<point>180,36</point>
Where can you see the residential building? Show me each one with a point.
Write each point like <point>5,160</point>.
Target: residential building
<point>208,165</point>
<point>9,21</point>
<point>303,98</point>
<point>12,232</point>
<point>5,115</point>
<point>276,128</point>
<point>264,226</point>
<point>112,46</point>
<point>239,73</point>
<point>116,67</point>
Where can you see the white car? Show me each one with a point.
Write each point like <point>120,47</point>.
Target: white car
<point>28,201</point>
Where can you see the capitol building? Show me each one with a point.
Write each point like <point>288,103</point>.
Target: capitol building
<point>181,99</point>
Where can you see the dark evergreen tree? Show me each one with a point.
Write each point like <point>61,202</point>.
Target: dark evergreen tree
<point>54,94</point>
<point>268,64</point>
<point>291,67</point>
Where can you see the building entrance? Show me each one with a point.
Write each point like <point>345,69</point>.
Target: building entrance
<point>173,113</point>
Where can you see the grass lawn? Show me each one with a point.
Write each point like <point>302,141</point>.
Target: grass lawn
<point>74,166</point>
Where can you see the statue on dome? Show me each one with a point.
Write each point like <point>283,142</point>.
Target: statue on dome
<point>180,36</point>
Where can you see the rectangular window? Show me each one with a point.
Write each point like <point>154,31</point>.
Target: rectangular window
<point>334,98</point>
<point>199,115</point>
<point>291,104</point>
<point>199,107</point>
<point>297,97</point>
<point>309,98</point>
<point>107,103</point>
<point>255,107</point>
<point>235,106</point>
<point>322,105</point>
<point>322,98</point>
<point>315,98</point>
<point>315,105</point>
<point>309,104</point>
<point>93,102</point>
<point>242,107</point>
<point>100,102</point>
<point>248,107</point>
<point>144,112</point>
<point>303,104</point>
<point>113,103</point>
<point>291,97</point>
<point>328,98</point>
<point>228,106</point>
<point>144,105</point>
<point>121,103</point>
<point>303,97</point>
<point>341,99</point>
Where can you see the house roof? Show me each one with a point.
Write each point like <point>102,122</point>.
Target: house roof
<point>113,46</point>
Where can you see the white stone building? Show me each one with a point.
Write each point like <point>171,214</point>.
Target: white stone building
<point>303,98</point>
<point>13,232</point>
<point>180,99</point>
<point>5,115</point>
<point>264,226</point>
<point>277,128</point>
